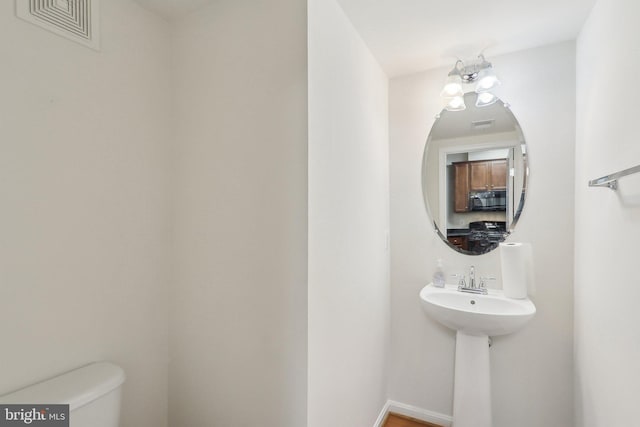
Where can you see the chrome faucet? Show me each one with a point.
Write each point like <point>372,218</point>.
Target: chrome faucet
<point>473,287</point>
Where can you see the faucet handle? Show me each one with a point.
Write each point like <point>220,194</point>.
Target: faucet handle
<point>482,279</point>
<point>461,281</point>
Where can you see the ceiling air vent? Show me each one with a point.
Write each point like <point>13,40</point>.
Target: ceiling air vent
<point>76,20</point>
<point>482,124</point>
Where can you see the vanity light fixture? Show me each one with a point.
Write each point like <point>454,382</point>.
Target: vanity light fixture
<point>480,74</point>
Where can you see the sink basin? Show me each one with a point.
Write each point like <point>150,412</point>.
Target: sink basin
<point>492,314</point>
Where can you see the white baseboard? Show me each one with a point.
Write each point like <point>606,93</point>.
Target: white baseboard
<point>413,412</point>
<point>383,415</point>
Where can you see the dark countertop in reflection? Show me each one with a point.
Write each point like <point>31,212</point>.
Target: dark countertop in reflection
<point>457,232</point>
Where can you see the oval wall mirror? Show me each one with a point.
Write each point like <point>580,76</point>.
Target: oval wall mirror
<point>474,175</point>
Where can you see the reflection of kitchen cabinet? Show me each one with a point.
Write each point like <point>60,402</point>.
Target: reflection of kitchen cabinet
<point>488,175</point>
<point>461,198</point>
<point>479,180</point>
<point>461,242</point>
<point>498,177</point>
<point>483,175</point>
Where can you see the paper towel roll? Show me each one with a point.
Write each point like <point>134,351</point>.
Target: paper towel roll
<point>517,269</point>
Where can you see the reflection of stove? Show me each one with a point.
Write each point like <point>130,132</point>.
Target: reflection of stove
<point>486,235</point>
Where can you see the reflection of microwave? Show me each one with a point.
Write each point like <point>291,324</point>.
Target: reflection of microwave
<point>488,200</point>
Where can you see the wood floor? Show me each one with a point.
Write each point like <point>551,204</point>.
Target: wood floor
<point>394,420</point>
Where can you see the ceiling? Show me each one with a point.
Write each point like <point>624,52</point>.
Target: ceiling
<point>408,36</point>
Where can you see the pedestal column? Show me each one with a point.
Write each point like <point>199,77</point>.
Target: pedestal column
<point>472,383</point>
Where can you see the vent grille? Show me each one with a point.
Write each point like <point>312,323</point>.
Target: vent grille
<point>74,19</point>
<point>482,124</point>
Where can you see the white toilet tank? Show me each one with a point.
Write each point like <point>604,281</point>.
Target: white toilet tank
<point>92,393</point>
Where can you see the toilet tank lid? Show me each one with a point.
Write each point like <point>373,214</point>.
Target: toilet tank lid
<point>76,388</point>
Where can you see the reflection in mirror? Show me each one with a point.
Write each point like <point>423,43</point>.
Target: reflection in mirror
<point>474,175</point>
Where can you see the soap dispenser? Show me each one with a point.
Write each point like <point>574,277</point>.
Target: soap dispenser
<point>438,275</point>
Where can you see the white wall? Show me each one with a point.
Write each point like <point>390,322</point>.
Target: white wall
<point>239,294</point>
<point>607,291</point>
<point>348,224</point>
<point>531,374</point>
<point>83,252</point>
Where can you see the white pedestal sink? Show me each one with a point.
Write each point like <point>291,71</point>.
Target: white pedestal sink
<point>475,318</point>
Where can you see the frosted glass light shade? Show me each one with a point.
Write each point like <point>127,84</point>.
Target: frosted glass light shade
<point>487,80</point>
<point>455,104</point>
<point>485,99</point>
<point>452,87</point>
